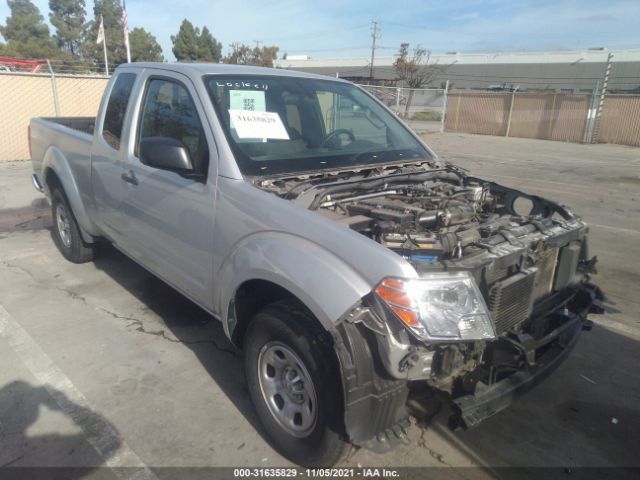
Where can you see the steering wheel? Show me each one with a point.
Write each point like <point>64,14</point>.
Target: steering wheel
<point>333,136</point>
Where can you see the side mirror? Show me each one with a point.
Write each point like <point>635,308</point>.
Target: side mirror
<point>166,153</point>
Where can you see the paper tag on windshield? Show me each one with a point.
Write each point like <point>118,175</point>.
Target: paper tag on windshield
<point>247,100</point>
<point>252,124</point>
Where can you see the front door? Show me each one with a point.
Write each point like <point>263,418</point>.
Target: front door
<point>169,217</point>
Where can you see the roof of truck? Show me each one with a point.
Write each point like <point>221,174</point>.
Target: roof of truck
<point>198,69</point>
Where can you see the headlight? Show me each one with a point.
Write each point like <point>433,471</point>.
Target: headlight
<point>439,306</point>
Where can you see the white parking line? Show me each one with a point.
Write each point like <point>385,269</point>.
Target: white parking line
<point>616,229</point>
<point>99,433</point>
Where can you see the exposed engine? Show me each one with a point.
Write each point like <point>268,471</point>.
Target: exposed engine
<point>422,221</point>
<point>426,216</point>
<point>528,256</point>
<point>442,216</point>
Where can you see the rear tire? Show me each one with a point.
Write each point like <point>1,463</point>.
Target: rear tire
<point>294,381</point>
<point>66,233</point>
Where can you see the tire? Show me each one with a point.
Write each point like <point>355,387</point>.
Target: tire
<point>283,341</point>
<point>66,233</point>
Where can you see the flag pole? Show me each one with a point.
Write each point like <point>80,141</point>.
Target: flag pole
<point>125,24</point>
<point>102,37</point>
<point>106,63</point>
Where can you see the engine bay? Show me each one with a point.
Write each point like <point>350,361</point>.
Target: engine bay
<point>427,216</point>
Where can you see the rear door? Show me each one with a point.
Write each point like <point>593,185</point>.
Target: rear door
<point>169,218</point>
<point>107,155</point>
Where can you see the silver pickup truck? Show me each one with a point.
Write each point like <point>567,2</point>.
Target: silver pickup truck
<point>361,276</point>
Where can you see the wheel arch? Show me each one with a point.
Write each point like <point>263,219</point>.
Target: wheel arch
<point>249,298</point>
<point>279,265</point>
<point>57,173</point>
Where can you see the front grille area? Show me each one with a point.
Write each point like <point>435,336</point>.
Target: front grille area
<point>546,266</point>
<point>510,300</point>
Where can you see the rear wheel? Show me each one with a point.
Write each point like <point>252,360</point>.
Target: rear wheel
<point>294,382</point>
<point>66,233</point>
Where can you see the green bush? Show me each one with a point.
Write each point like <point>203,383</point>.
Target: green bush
<point>427,116</point>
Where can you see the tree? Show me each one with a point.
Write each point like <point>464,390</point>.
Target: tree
<point>111,11</point>
<point>25,31</point>
<point>144,46</point>
<point>267,55</point>
<point>68,17</point>
<point>414,70</point>
<point>191,45</point>
<point>185,42</point>
<point>209,49</point>
<point>242,54</point>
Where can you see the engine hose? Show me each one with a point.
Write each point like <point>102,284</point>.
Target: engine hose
<point>367,185</point>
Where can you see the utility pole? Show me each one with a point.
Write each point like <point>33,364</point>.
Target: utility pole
<point>258,42</point>
<point>375,34</point>
<point>603,92</point>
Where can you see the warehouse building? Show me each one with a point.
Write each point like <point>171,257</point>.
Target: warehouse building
<point>576,71</point>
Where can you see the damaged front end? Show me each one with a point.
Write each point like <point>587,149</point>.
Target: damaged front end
<point>502,293</point>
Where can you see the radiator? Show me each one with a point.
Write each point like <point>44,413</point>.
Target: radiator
<point>510,300</point>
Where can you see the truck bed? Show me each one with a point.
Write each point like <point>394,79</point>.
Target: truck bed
<point>67,138</point>
<point>82,124</point>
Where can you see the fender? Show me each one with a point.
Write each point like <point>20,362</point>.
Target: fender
<point>55,160</point>
<point>324,282</point>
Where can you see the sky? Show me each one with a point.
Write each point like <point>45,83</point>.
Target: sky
<point>342,28</point>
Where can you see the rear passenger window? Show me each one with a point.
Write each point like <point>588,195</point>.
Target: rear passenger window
<point>116,109</point>
<point>168,111</point>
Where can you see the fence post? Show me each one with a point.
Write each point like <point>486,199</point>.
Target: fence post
<point>398,91</point>
<point>588,128</point>
<point>444,107</point>
<point>603,93</point>
<point>513,98</point>
<point>54,87</point>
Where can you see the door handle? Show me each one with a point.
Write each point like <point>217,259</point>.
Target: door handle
<point>130,178</point>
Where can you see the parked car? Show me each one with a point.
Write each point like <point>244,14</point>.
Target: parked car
<point>357,271</point>
<point>506,87</point>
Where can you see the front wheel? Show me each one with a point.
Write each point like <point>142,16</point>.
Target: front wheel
<point>294,382</point>
<point>66,233</point>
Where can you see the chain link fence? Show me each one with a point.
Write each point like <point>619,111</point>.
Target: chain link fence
<point>27,95</point>
<point>422,108</point>
<point>568,117</point>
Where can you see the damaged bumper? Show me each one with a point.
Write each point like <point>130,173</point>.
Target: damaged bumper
<point>376,414</point>
<point>489,400</point>
<point>543,356</point>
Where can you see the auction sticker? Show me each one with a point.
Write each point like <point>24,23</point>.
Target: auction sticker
<point>247,100</point>
<point>253,124</point>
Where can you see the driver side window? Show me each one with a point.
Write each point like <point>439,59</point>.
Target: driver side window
<point>168,111</point>
<point>342,113</point>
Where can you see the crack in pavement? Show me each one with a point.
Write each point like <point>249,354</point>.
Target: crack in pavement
<point>72,294</point>
<point>139,326</point>
<point>422,443</point>
<point>161,333</point>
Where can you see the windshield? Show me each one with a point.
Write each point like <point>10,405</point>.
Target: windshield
<point>280,125</point>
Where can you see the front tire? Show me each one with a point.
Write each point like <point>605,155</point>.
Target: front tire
<point>66,233</point>
<point>294,381</point>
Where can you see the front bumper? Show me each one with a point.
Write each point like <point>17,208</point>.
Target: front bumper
<point>375,400</point>
<point>470,410</point>
<point>487,400</point>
